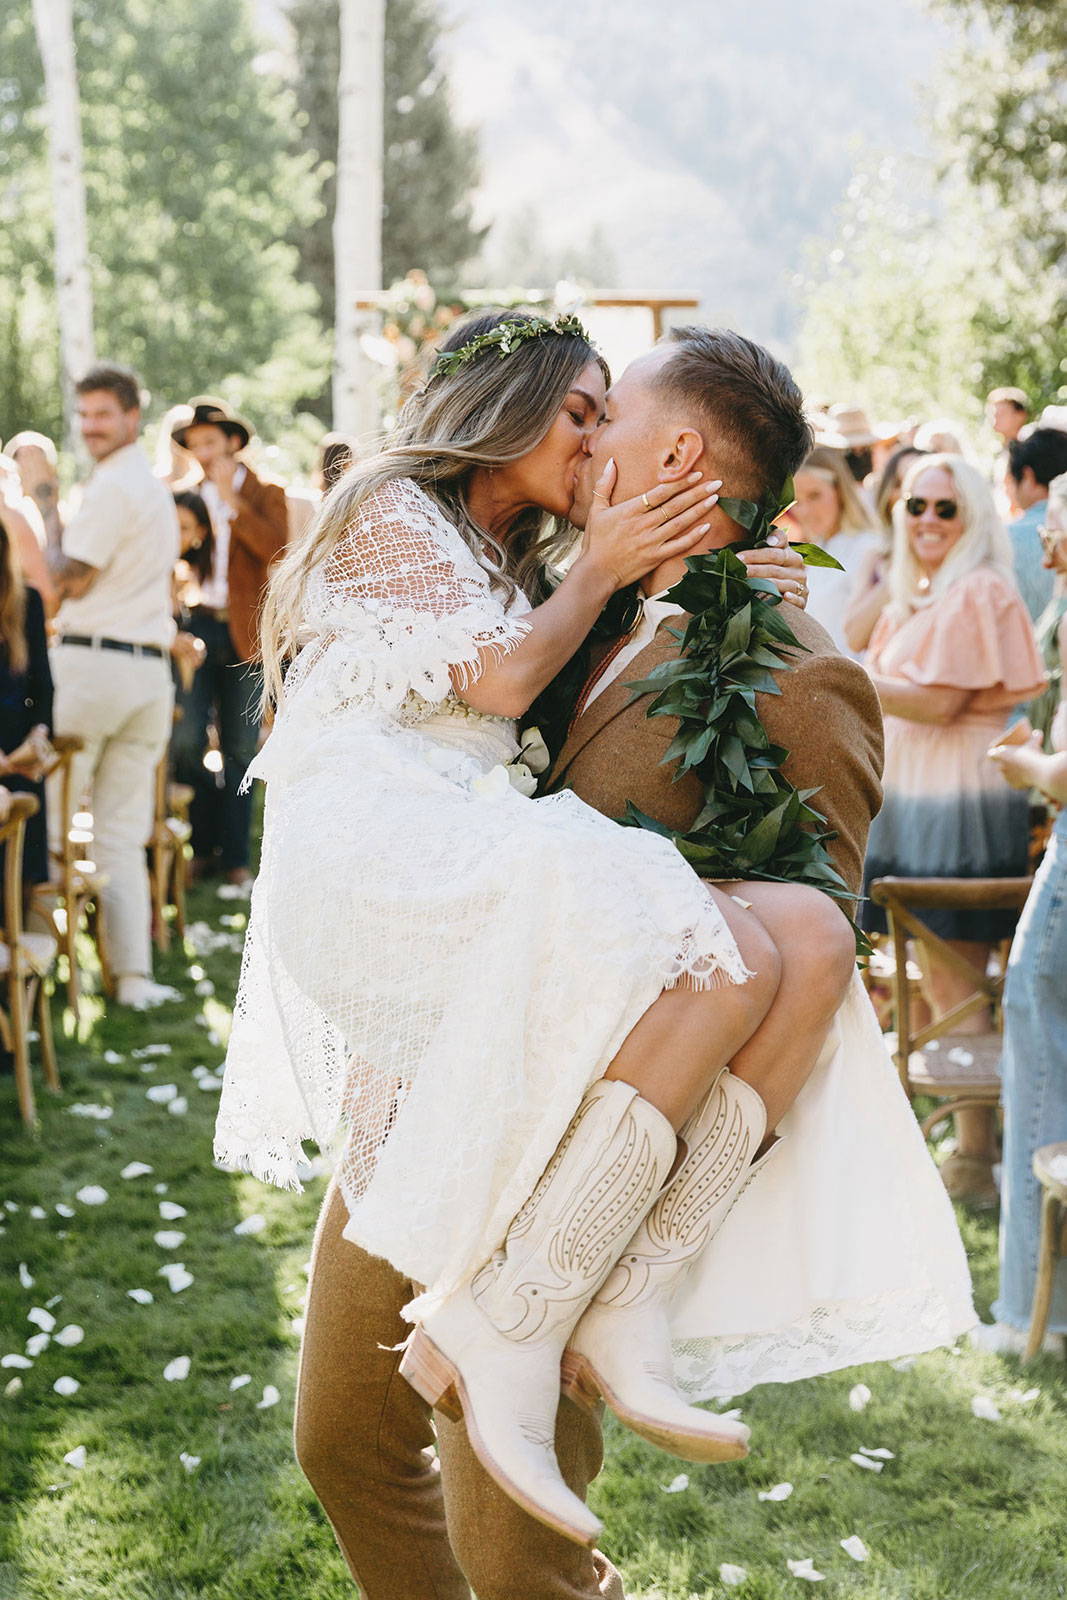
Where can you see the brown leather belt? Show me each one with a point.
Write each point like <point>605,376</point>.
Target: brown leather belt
<point>95,642</point>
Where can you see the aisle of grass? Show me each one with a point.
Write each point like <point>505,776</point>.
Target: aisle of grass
<point>967,1507</point>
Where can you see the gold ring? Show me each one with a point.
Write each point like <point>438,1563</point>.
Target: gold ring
<point>647,503</point>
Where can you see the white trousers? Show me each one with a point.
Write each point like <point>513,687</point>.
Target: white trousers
<point>122,706</point>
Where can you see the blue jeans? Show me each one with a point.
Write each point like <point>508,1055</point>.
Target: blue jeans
<point>1035,1082</point>
<point>227,690</point>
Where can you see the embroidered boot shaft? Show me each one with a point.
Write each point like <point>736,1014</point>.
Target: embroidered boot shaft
<point>621,1348</point>
<point>491,1352</point>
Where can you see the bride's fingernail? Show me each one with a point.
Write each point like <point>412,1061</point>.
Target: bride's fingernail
<point>695,477</point>
<point>705,527</point>
<point>774,539</point>
<point>716,483</point>
<point>710,501</point>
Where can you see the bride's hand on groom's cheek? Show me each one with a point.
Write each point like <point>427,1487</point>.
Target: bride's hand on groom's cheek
<point>633,537</point>
<point>780,563</point>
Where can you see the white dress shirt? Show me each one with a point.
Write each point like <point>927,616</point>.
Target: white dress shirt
<point>653,612</point>
<point>215,591</point>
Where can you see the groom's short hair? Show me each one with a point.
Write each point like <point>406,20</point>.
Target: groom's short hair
<point>747,401</point>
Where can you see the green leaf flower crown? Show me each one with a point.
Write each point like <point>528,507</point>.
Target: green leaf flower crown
<point>506,338</point>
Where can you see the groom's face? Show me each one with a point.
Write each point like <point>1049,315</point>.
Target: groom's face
<point>638,430</point>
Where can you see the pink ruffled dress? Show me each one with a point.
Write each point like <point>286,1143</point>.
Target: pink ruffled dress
<point>947,811</point>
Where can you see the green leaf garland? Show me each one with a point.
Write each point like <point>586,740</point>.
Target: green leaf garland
<point>754,824</point>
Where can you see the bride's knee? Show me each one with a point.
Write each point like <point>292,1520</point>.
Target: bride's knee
<point>821,948</point>
<point>764,962</point>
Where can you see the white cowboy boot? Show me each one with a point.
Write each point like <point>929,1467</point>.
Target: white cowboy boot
<point>621,1348</point>
<point>491,1351</point>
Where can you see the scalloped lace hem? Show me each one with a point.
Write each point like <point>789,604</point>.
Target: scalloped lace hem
<point>831,1336</point>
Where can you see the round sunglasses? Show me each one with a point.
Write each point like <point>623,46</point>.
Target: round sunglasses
<point>946,510</point>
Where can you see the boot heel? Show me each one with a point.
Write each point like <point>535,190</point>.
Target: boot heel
<point>577,1382</point>
<point>431,1375</point>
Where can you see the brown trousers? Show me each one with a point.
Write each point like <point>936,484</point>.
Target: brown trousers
<point>411,1530</point>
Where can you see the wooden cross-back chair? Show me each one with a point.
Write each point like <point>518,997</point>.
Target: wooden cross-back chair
<point>26,963</point>
<point>168,867</point>
<point>960,1070</point>
<point>75,883</point>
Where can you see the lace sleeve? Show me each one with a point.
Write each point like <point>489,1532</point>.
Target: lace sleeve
<point>407,603</point>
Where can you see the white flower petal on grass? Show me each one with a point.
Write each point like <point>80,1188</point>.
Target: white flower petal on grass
<point>92,1195</point>
<point>204,987</point>
<point>805,1569</point>
<point>253,1224</point>
<point>677,1484</point>
<point>136,1169</point>
<point>169,1239</point>
<point>905,1364</point>
<point>854,1547</point>
<point>70,1335</point>
<point>55,1300</point>
<point>160,1188</point>
<point>113,1058</point>
<point>177,1371</point>
<point>176,1276</point>
<point>781,1491</point>
<point>860,1397</point>
<point>66,1386</point>
<point>731,1575</point>
<point>1023,1397</point>
<point>38,1343</point>
<point>880,1453</point>
<point>25,1276</point>
<point>13,1388</point>
<point>75,1458</point>
<point>210,1085</point>
<point>179,1107</point>
<point>190,1463</point>
<point>160,1093</point>
<point>38,1213</point>
<point>16,1361</point>
<point>147,1051</point>
<point>984,1409</point>
<point>865,1461</point>
<point>270,1398</point>
<point>240,1381</point>
<point>171,1211</point>
<point>64,1211</point>
<point>144,1297</point>
<point>94,1113</point>
<point>41,1319</point>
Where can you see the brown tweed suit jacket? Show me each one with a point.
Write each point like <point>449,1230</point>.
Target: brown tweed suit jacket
<point>258,535</point>
<point>827,716</point>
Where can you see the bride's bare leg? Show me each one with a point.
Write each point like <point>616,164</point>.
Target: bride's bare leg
<point>817,949</point>
<point>686,1036</point>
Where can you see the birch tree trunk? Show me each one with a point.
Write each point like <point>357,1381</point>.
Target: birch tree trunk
<point>53,21</point>
<point>357,223</point>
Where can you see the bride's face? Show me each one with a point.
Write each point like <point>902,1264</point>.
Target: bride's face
<point>547,475</point>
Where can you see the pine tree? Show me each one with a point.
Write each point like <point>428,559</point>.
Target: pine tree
<point>431,164</point>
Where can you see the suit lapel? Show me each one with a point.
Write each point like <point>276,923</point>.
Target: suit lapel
<point>613,700</point>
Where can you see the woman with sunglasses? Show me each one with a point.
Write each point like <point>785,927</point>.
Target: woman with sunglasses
<point>951,656</point>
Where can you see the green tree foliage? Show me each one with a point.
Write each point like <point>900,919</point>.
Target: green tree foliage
<point>1005,117</point>
<point>431,164</point>
<point>192,189</point>
<point>946,279</point>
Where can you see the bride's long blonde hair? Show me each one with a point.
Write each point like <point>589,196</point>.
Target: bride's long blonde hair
<point>489,412</point>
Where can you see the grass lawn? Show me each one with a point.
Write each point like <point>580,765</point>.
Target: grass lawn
<point>966,1506</point>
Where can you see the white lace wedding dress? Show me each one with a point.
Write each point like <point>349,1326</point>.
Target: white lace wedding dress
<point>437,967</point>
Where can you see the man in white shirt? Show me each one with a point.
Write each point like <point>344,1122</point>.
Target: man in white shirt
<point>112,568</point>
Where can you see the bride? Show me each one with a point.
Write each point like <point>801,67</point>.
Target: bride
<point>499,1013</point>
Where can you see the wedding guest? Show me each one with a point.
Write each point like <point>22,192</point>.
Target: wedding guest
<point>26,529</point>
<point>951,656</point>
<point>197,550</point>
<point>25,699</point>
<point>112,570</point>
<point>336,454</point>
<point>871,587</point>
<point>942,436</point>
<point>37,460</point>
<point>1033,462</point>
<point>250,526</point>
<point>830,513</point>
<point>1035,1003</point>
<point>1007,412</point>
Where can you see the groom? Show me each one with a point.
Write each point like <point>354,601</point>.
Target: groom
<point>408,1530</point>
